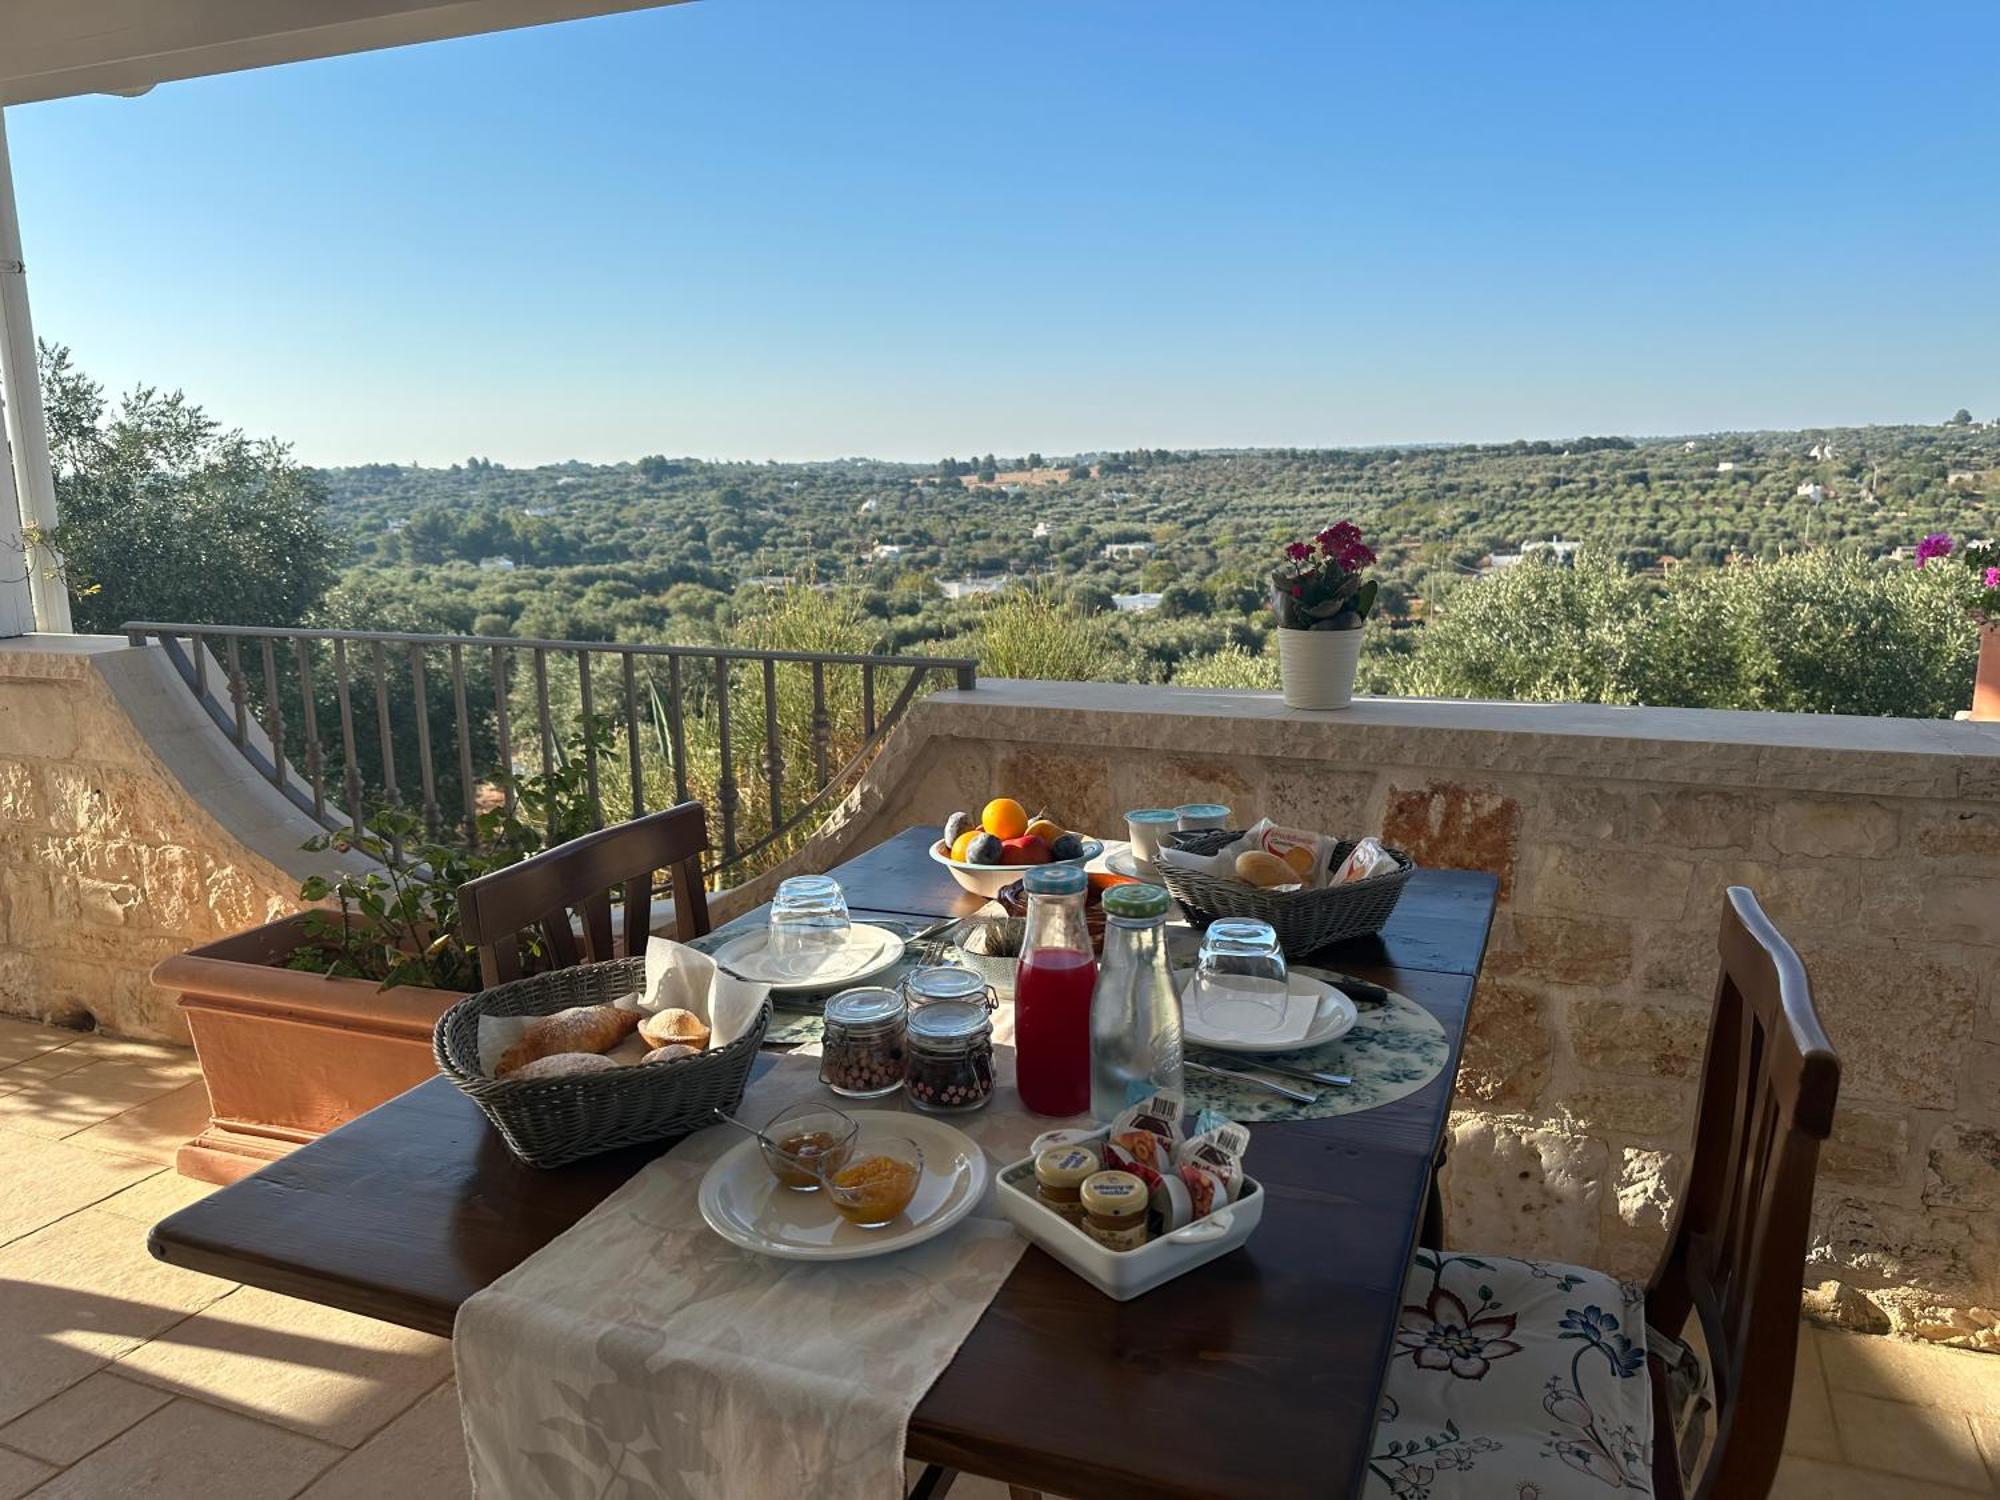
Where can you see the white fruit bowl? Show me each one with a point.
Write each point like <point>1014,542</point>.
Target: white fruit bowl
<point>990,880</point>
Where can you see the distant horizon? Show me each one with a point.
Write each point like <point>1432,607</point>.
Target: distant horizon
<point>785,229</point>
<point>1059,460</point>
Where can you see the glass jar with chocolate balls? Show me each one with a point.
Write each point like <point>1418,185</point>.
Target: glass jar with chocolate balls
<point>861,1054</point>
<point>950,1046</point>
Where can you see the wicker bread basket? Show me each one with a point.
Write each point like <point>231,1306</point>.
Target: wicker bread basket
<point>550,1121</point>
<point>1305,921</point>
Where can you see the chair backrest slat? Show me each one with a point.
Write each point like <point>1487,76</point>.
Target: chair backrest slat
<point>1737,1247</point>
<point>572,884</point>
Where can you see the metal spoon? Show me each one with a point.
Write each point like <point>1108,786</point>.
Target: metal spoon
<point>729,1119</point>
<point>1297,1096</point>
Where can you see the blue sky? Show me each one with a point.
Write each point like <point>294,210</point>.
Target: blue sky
<point>807,228</point>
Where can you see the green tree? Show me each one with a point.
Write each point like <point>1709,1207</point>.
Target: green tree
<point>167,516</point>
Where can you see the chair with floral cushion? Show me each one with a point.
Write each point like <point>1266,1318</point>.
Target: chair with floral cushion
<point>1517,1378</point>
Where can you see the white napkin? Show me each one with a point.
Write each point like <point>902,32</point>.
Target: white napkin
<point>677,978</point>
<point>1301,1007</point>
<point>681,978</point>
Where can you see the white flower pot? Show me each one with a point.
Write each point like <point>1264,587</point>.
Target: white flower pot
<point>1317,667</point>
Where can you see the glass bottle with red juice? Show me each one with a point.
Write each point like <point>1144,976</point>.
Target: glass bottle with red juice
<point>1052,995</point>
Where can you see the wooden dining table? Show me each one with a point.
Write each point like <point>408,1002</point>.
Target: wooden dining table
<point>1254,1377</point>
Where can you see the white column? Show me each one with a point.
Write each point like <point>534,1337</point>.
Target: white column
<point>31,491</point>
<point>17,605</point>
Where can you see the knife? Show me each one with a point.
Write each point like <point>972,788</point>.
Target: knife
<point>1337,1080</point>
<point>1297,1096</point>
<point>1361,991</point>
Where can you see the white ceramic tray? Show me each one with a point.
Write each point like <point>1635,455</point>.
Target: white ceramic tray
<point>746,1205</point>
<point>1125,1274</point>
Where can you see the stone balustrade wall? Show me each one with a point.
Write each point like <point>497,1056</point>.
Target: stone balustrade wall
<point>1874,844</point>
<point>129,830</point>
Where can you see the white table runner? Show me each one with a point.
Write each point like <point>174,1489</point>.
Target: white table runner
<point>641,1355</point>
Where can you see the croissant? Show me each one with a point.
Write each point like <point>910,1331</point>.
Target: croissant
<point>581,1028</point>
<point>563,1065</point>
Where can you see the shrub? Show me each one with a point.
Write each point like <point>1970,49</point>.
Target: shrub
<point>1031,633</point>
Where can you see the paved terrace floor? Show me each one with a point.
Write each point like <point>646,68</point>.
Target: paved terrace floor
<point>119,1375</point>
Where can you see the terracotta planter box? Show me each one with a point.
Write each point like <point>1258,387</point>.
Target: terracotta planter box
<point>1986,686</point>
<point>288,1056</point>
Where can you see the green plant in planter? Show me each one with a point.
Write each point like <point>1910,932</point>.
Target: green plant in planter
<point>1319,585</point>
<point>397,923</point>
<point>1980,560</point>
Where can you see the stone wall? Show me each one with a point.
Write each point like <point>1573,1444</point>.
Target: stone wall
<point>1875,845</point>
<point>129,830</point>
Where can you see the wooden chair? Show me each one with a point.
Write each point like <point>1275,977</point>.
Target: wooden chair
<point>1528,1372</point>
<point>578,877</point>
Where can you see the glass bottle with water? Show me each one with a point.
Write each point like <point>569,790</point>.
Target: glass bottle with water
<point>1135,1016</point>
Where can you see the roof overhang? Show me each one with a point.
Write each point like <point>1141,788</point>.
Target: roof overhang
<point>51,49</point>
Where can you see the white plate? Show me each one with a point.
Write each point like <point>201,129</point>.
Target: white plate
<point>1334,1018</point>
<point>741,1201</point>
<point>868,951</point>
<point>1125,862</point>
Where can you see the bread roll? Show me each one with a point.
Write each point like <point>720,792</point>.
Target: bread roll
<point>672,1052</point>
<point>581,1028</point>
<point>562,1065</point>
<point>666,1027</point>
<point>1259,868</point>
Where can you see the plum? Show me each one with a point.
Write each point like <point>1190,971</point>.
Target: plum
<point>1069,846</point>
<point>985,850</point>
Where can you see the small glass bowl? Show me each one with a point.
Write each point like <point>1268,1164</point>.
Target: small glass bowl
<point>876,1182</point>
<point>807,1136</point>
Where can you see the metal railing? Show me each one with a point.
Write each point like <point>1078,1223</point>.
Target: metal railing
<point>341,720</point>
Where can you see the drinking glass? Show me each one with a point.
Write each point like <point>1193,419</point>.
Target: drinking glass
<point>809,925</point>
<point>1240,980</point>
<point>1195,816</point>
<point>1146,827</point>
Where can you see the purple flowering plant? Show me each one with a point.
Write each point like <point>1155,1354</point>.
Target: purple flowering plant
<point>1319,585</point>
<point>1980,561</point>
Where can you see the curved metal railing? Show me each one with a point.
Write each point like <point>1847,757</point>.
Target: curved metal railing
<point>300,711</point>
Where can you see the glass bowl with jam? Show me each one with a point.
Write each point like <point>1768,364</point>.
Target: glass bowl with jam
<point>876,1181</point>
<point>802,1139</point>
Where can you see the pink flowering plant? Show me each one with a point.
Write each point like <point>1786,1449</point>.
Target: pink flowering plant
<point>1319,584</point>
<point>1980,563</point>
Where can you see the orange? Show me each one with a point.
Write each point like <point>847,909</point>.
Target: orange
<point>958,849</point>
<point>1046,830</point>
<point>1004,818</point>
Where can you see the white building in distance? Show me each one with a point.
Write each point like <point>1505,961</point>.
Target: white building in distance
<point>1136,604</point>
<point>885,551</point>
<point>1113,550</point>
<point>967,588</point>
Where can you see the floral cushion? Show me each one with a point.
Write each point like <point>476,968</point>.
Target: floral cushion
<point>1513,1380</point>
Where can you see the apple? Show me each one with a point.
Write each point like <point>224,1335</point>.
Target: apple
<point>1025,850</point>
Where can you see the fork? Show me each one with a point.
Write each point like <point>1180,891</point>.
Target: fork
<point>1297,1096</point>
